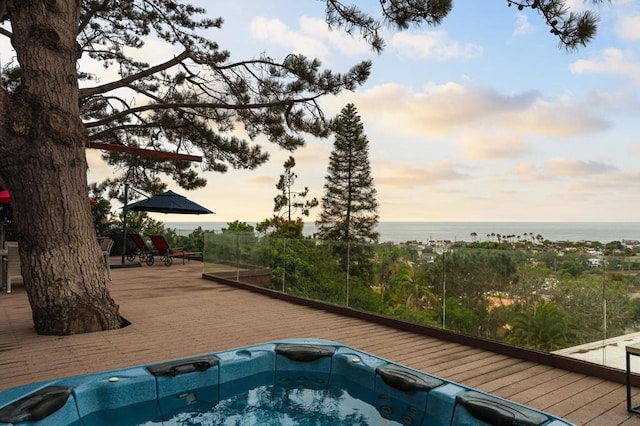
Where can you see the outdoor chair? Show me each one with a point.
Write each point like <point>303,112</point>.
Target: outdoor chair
<point>105,245</point>
<point>142,250</point>
<point>13,268</point>
<point>166,252</point>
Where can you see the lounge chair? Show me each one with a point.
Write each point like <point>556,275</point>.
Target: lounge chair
<point>166,252</point>
<point>13,268</point>
<point>142,250</point>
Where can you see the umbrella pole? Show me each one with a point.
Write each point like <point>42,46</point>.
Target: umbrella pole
<point>124,220</point>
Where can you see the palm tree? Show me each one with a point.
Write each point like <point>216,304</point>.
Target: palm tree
<point>402,284</point>
<point>545,327</point>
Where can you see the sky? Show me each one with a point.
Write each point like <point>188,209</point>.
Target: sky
<point>482,118</point>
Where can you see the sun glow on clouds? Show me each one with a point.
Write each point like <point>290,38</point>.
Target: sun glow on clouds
<point>571,167</point>
<point>403,176</point>
<point>493,147</point>
<point>449,109</point>
<point>526,172</point>
<point>558,168</point>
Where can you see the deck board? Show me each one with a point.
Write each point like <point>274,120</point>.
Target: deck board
<point>175,313</point>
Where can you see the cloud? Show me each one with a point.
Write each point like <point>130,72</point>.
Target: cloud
<point>491,147</point>
<point>582,5</point>
<point>569,167</point>
<point>577,5</point>
<point>313,38</point>
<point>434,45</point>
<point>405,176</point>
<point>557,168</point>
<point>347,44</point>
<point>625,184</point>
<point>526,172</point>
<point>314,149</point>
<point>437,109</point>
<point>261,180</point>
<point>277,32</point>
<point>523,26</point>
<point>611,61</point>
<point>622,101</point>
<point>564,117</point>
<point>449,110</point>
<point>628,28</point>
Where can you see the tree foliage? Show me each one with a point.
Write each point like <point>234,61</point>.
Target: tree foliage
<point>279,227</point>
<point>287,203</point>
<point>349,205</point>
<point>573,29</point>
<point>546,327</point>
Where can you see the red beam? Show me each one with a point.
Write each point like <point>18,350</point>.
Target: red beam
<point>163,155</point>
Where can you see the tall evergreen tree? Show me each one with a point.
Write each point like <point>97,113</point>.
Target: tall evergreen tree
<point>349,206</point>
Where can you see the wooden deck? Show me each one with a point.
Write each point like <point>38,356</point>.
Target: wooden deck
<point>175,313</point>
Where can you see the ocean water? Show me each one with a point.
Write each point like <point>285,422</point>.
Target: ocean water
<point>461,231</point>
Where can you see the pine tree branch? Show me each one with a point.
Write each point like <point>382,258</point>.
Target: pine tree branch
<point>104,133</point>
<point>213,105</point>
<point>86,18</point>
<point>82,93</point>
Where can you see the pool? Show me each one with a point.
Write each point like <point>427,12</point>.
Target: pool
<point>291,382</point>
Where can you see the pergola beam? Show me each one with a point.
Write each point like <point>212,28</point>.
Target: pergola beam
<point>163,155</point>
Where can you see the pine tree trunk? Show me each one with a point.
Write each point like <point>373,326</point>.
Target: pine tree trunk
<point>43,164</point>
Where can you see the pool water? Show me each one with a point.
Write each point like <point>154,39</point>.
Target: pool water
<point>275,405</point>
<point>293,382</point>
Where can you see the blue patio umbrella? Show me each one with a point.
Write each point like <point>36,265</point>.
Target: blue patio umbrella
<point>169,202</point>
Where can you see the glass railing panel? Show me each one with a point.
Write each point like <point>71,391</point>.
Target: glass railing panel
<point>539,297</point>
<point>360,269</point>
<point>253,251</point>
<point>597,294</point>
<point>608,316</point>
<point>254,260</point>
<point>621,288</point>
<point>470,279</point>
<point>404,283</point>
<point>222,254</point>
<point>185,240</point>
<point>310,269</point>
